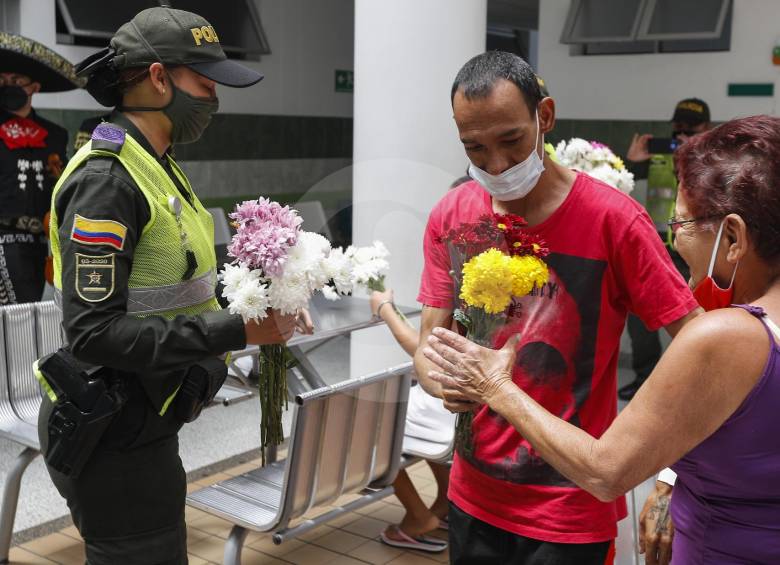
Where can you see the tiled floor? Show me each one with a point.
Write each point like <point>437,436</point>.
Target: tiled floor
<point>349,539</point>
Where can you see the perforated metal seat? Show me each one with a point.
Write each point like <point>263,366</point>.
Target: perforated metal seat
<point>344,438</point>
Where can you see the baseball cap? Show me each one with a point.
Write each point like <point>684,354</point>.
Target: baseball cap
<point>691,111</point>
<point>177,37</point>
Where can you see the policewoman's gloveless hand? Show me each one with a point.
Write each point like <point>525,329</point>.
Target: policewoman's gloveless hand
<point>276,328</point>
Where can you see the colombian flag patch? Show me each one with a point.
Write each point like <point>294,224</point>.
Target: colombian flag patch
<point>98,232</point>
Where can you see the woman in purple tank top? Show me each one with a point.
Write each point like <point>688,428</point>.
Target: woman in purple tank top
<point>711,408</point>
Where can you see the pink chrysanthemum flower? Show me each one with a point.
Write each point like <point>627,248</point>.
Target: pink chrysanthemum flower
<point>266,231</point>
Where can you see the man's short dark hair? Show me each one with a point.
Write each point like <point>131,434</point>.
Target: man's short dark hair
<point>479,75</point>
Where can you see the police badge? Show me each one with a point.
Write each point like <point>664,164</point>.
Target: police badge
<point>94,276</point>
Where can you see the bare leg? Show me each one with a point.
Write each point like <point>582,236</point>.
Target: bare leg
<point>441,473</point>
<point>418,519</point>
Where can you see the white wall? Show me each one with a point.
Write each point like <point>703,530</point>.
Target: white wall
<point>646,87</point>
<point>309,40</point>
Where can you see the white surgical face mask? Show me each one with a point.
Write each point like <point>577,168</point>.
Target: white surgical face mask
<point>516,182</point>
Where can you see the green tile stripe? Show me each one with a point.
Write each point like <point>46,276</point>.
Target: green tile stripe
<point>249,136</point>
<point>751,89</point>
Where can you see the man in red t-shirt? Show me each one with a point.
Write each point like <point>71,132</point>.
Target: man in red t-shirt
<point>509,505</point>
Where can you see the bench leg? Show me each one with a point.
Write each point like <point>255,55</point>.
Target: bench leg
<point>10,499</point>
<point>233,546</point>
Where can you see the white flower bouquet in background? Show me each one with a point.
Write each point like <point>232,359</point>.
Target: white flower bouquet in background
<point>369,265</point>
<point>277,267</point>
<point>597,160</point>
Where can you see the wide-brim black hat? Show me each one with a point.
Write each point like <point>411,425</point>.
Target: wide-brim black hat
<point>27,57</point>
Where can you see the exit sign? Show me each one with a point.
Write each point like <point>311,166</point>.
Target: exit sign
<point>345,81</point>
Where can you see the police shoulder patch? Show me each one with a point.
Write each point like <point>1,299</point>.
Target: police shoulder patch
<point>98,232</point>
<point>94,276</point>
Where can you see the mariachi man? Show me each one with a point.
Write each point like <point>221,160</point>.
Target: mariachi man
<point>32,156</point>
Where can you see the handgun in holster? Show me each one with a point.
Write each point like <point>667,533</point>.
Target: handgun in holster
<point>199,387</point>
<point>84,406</point>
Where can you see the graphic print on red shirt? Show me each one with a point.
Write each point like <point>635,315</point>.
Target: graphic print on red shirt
<point>606,260</point>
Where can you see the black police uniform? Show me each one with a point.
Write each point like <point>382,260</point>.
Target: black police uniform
<point>32,156</point>
<point>128,501</point>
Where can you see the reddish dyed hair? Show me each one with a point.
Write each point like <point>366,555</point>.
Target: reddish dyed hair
<point>735,169</point>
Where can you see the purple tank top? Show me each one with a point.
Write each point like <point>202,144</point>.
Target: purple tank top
<point>726,501</point>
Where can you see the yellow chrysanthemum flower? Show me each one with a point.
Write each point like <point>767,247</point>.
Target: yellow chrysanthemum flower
<point>617,163</point>
<point>492,278</point>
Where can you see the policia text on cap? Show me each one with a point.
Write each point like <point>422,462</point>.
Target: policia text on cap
<point>134,272</point>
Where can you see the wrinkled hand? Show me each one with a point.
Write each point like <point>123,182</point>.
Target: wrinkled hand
<point>637,151</point>
<point>656,530</point>
<point>474,372</point>
<point>303,322</point>
<point>276,328</point>
<point>377,298</point>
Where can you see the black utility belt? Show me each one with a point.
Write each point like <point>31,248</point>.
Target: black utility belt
<point>29,224</point>
<point>87,399</point>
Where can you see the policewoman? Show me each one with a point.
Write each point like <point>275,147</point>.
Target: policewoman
<point>135,274</point>
<point>32,156</point>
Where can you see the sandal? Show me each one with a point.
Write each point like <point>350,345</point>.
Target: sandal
<point>423,543</point>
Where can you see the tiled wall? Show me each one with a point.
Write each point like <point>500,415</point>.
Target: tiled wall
<point>242,156</point>
<point>293,158</point>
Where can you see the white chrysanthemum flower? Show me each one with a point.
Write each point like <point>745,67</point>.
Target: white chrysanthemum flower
<point>289,293</point>
<point>338,268</point>
<point>330,293</point>
<point>250,299</point>
<point>307,260</point>
<point>596,160</point>
<point>380,250</point>
<point>234,277</point>
<point>369,263</point>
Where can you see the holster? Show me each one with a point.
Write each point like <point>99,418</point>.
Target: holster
<point>85,403</point>
<point>199,387</point>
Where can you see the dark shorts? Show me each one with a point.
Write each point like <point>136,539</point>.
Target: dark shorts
<point>474,542</point>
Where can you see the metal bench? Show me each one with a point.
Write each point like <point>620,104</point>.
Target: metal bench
<point>345,437</point>
<point>27,332</point>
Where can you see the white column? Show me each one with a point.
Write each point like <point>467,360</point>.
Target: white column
<point>406,145</point>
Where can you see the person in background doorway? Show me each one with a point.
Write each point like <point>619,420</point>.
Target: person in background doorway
<point>691,116</point>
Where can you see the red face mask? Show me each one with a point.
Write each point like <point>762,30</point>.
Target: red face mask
<point>709,295</point>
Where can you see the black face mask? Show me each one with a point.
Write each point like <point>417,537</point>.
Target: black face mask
<point>190,115</point>
<point>12,98</point>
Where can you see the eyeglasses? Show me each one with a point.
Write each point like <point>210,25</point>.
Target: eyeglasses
<point>15,81</point>
<point>676,223</point>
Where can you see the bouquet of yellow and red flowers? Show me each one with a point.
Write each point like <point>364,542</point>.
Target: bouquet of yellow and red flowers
<point>493,260</point>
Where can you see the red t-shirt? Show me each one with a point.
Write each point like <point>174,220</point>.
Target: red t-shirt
<point>606,260</point>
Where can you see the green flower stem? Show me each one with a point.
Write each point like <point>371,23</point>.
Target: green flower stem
<point>481,327</point>
<point>272,390</point>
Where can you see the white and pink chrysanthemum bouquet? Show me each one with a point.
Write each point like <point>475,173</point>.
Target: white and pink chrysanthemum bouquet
<point>277,267</point>
<point>597,160</point>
